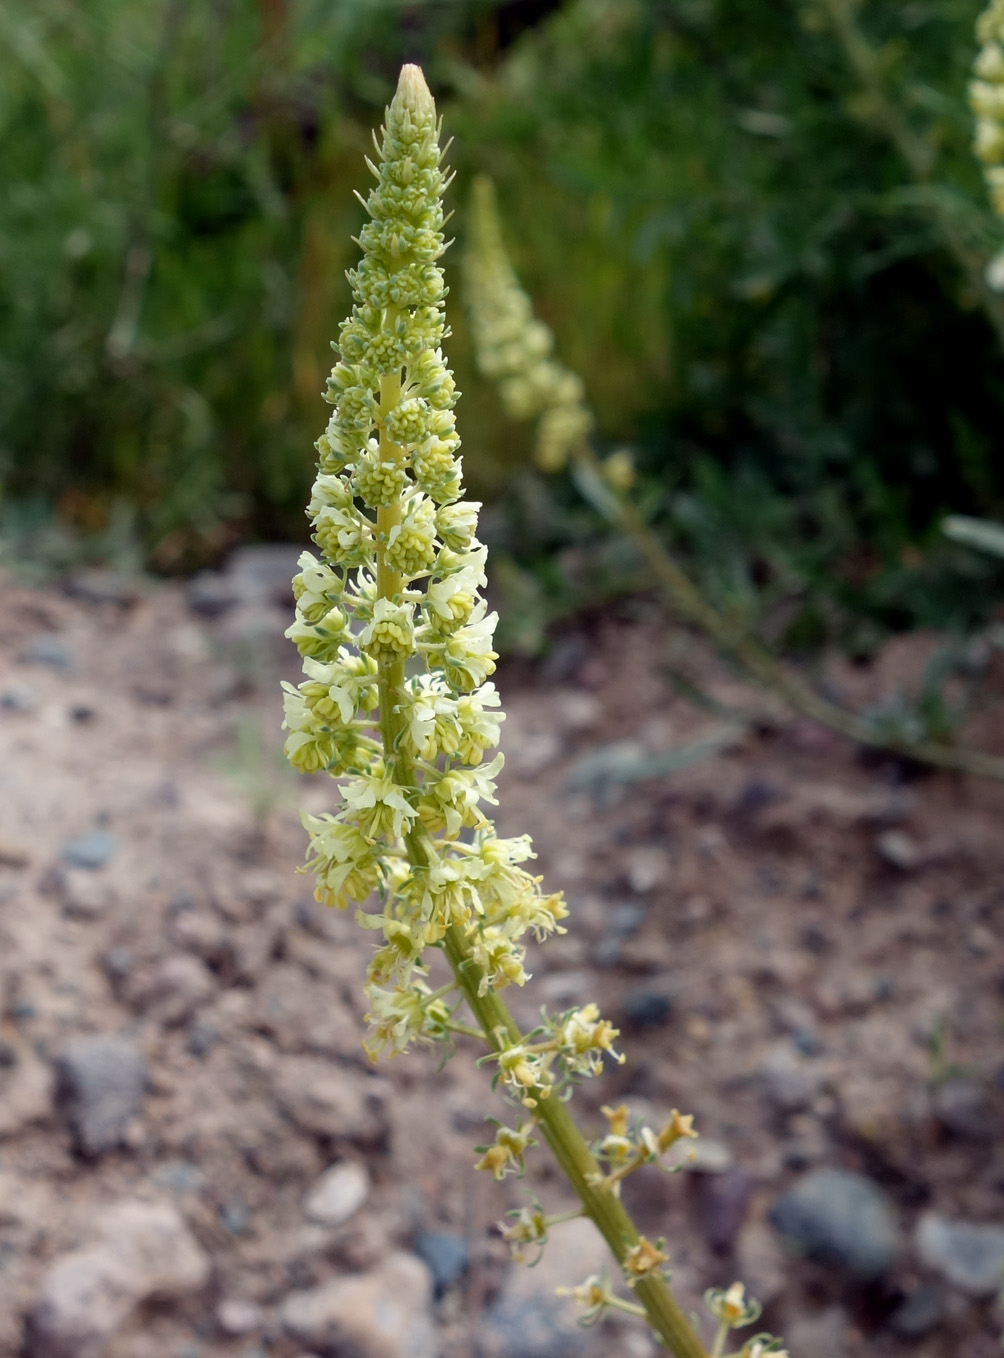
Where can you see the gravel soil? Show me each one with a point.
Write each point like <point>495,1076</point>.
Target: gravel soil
<point>801,943</point>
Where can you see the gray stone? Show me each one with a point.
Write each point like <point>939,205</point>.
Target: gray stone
<point>46,649</point>
<point>338,1194</point>
<point>202,1037</point>
<point>819,1336</point>
<point>331,1101</point>
<point>788,1080</point>
<point>235,1216</point>
<point>210,595</point>
<point>382,1314</point>
<point>531,1327</point>
<point>647,1009</point>
<point>91,851</point>
<point>918,1313</point>
<point>264,571</point>
<point>143,1252</point>
<point>102,1081</point>
<point>237,1317</point>
<point>18,698</point>
<point>839,1219</point>
<point>529,1318</point>
<point>724,1199</point>
<point>98,585</point>
<point>117,964</point>
<point>445,1255</point>
<point>173,989</point>
<point>180,1177</point>
<point>962,1107</point>
<point>967,1254</point>
<point>897,849</point>
<point>83,895</point>
<point>707,1156</point>
<point>26,1091</point>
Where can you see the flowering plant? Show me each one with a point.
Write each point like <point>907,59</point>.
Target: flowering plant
<point>397,703</point>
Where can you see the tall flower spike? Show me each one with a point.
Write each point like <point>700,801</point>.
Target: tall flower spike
<point>397,584</point>
<point>986,98</point>
<point>397,701</point>
<point>513,348</point>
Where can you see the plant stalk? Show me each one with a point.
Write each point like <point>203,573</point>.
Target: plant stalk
<point>757,660</point>
<point>497,1026</point>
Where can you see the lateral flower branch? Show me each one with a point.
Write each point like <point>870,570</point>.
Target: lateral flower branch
<point>398,705</point>
<point>515,350</point>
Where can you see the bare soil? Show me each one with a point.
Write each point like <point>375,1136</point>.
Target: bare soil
<point>801,942</point>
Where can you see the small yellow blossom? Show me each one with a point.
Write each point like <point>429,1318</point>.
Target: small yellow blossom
<point>643,1259</point>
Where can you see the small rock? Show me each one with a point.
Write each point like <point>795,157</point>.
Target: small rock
<point>13,854</point>
<point>117,964</point>
<point>707,1156</point>
<point>331,1101</point>
<point>920,1312</point>
<point>622,922</point>
<point>531,1327</point>
<point>262,572</point>
<point>648,867</point>
<point>962,1107</point>
<point>821,1336</point>
<point>102,1081</point>
<point>199,932</point>
<point>896,848</point>
<point>338,1194</point>
<point>968,1255</point>
<point>91,851</point>
<point>237,1317</point>
<point>724,1199</point>
<point>98,585</point>
<point>25,1094</point>
<point>626,919</point>
<point>647,1009</point>
<point>762,1262</point>
<point>83,895</point>
<point>446,1256</point>
<point>173,989</point>
<point>202,1037</point>
<point>50,650</point>
<point>144,1252</point>
<point>209,594</point>
<point>235,1216</point>
<point>83,1299</point>
<point>841,1219</point>
<point>180,1177</point>
<point>382,1314</point>
<point>789,1083</point>
<point>18,698</point>
<point>529,1319</point>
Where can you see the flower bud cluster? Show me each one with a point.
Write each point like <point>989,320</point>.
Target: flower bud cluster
<point>395,637</point>
<point>986,98</point>
<point>513,348</point>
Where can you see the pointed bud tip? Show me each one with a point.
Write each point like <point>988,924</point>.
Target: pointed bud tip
<point>413,92</point>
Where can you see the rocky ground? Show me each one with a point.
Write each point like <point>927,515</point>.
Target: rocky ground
<point>801,944</point>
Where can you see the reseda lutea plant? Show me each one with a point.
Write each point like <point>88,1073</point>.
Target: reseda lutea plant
<point>397,647</point>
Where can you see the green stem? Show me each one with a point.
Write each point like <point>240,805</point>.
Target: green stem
<point>498,1028</point>
<point>720,1338</point>
<point>575,1159</point>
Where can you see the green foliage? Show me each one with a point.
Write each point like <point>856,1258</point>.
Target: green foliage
<point>757,288</point>
<point>705,202</point>
<point>172,247</point>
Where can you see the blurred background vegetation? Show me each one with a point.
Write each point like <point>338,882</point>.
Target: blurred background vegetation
<point>770,283</point>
